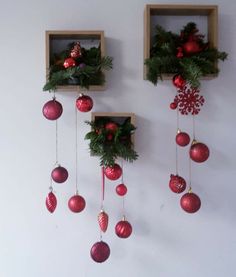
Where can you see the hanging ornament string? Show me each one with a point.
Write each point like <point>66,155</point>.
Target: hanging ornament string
<point>56,142</point>
<point>122,181</point>
<point>103,188</point>
<point>76,151</point>
<point>194,129</point>
<point>176,146</point>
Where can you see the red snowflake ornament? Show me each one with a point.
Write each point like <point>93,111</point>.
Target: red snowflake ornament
<point>189,100</point>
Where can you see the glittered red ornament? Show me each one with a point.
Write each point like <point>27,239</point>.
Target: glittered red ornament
<point>190,202</point>
<point>76,203</point>
<point>123,229</point>
<point>52,110</point>
<point>51,202</point>
<point>113,172</point>
<point>199,152</point>
<point>84,103</point>
<point>111,127</point>
<point>103,219</point>
<point>100,252</point>
<point>173,106</point>
<point>177,184</point>
<point>191,47</point>
<point>182,139</point>
<point>69,62</point>
<point>178,81</point>
<point>121,189</point>
<point>59,174</point>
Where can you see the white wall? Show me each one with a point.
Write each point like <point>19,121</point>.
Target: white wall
<point>166,241</point>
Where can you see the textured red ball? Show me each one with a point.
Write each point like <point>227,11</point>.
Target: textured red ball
<point>121,189</point>
<point>199,152</point>
<point>84,103</point>
<point>177,184</point>
<point>182,139</point>
<point>52,110</point>
<point>173,106</point>
<point>113,172</point>
<point>100,252</point>
<point>191,47</point>
<point>59,174</point>
<point>70,62</point>
<point>111,127</point>
<point>123,229</point>
<point>51,202</point>
<point>76,203</point>
<point>179,81</point>
<point>190,202</point>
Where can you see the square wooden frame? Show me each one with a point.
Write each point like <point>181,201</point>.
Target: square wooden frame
<point>181,10</point>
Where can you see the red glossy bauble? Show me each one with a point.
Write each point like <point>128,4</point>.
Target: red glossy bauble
<point>111,127</point>
<point>199,152</point>
<point>100,252</point>
<point>121,189</point>
<point>123,229</point>
<point>113,172</point>
<point>182,139</point>
<point>103,219</point>
<point>76,203</point>
<point>69,62</point>
<point>84,103</point>
<point>191,47</point>
<point>51,202</point>
<point>190,202</point>
<point>179,81</point>
<point>173,105</point>
<point>59,174</point>
<point>177,184</point>
<point>52,110</point>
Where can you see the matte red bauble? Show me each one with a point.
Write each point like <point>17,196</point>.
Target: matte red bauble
<point>173,106</point>
<point>52,110</point>
<point>123,229</point>
<point>59,174</point>
<point>84,103</point>
<point>177,184</point>
<point>111,126</point>
<point>76,203</point>
<point>182,139</point>
<point>191,47</point>
<point>121,189</point>
<point>113,172</point>
<point>70,62</point>
<point>199,152</point>
<point>51,202</point>
<point>100,252</point>
<point>190,202</point>
<point>178,81</point>
<point>103,219</point>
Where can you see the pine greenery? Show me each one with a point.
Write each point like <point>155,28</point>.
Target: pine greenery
<point>163,56</point>
<point>118,146</point>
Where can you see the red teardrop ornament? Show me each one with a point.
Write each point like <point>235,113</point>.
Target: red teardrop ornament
<point>51,202</point>
<point>103,219</point>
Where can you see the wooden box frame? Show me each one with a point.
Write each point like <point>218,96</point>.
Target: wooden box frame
<point>211,11</point>
<point>76,35</point>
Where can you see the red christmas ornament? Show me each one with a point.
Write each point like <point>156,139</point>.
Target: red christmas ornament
<point>76,203</point>
<point>182,139</point>
<point>76,51</point>
<point>191,47</point>
<point>109,137</point>
<point>180,53</point>
<point>199,152</point>
<point>59,174</point>
<point>173,106</point>
<point>113,172</point>
<point>51,202</point>
<point>178,81</point>
<point>111,127</point>
<point>103,219</point>
<point>84,103</point>
<point>69,62</point>
<point>121,189</point>
<point>190,202</point>
<point>52,110</point>
<point>123,229</point>
<point>100,252</point>
<point>177,184</point>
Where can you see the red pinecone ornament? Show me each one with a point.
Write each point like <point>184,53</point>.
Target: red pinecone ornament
<point>52,110</point>
<point>51,202</point>
<point>103,219</point>
<point>121,189</point>
<point>59,174</point>
<point>84,103</point>
<point>76,203</point>
<point>177,184</point>
<point>100,252</point>
<point>111,127</point>
<point>179,81</point>
<point>199,152</point>
<point>113,172</point>
<point>123,229</point>
<point>182,139</point>
<point>69,62</point>
<point>190,202</point>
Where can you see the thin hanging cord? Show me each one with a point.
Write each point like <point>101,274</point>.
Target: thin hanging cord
<point>194,129</point>
<point>103,188</point>
<point>122,180</point>
<point>122,176</point>
<point>190,174</point>
<point>176,146</point>
<point>76,151</point>
<point>56,142</point>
